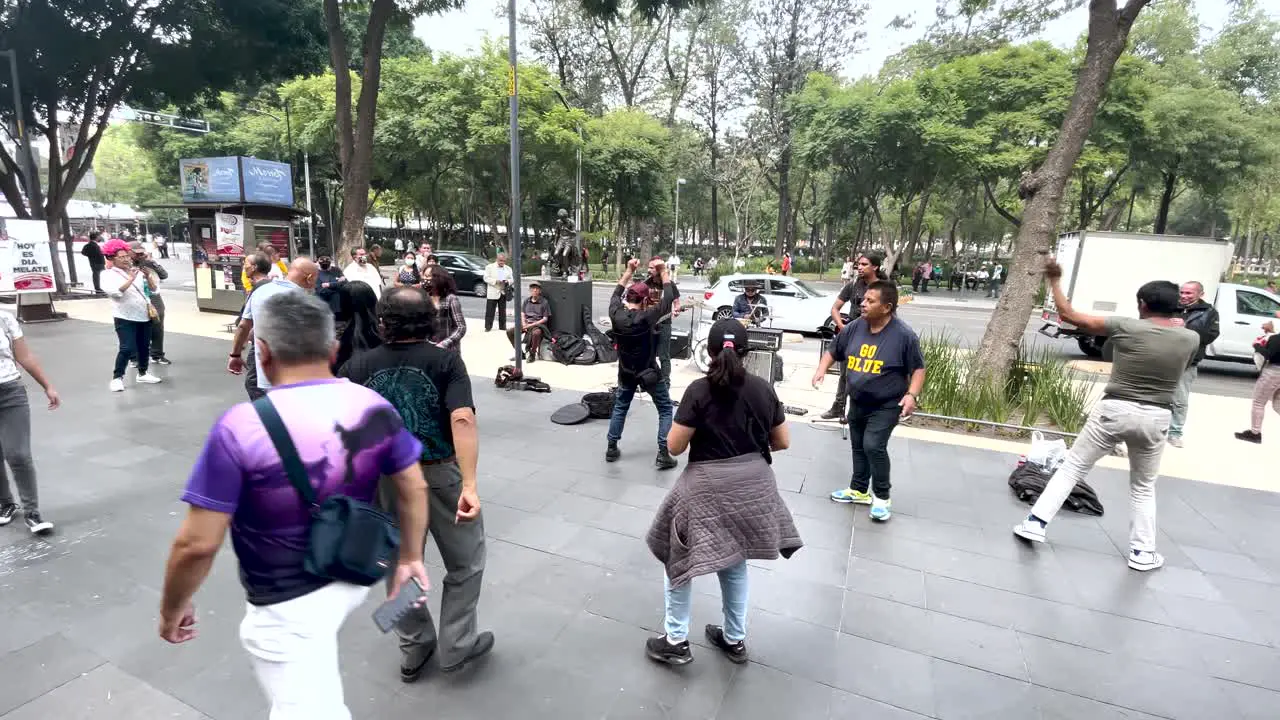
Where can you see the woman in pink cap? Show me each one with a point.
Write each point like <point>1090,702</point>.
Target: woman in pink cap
<point>128,288</point>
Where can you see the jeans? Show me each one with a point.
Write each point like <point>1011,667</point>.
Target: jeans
<point>733,588</point>
<point>135,341</point>
<point>840,404</point>
<point>869,431</point>
<point>1181,397</point>
<point>500,307</point>
<point>462,551</point>
<point>15,445</point>
<point>661,395</point>
<point>993,288</point>
<point>293,648</point>
<point>251,374</point>
<point>1142,428</point>
<point>96,271</point>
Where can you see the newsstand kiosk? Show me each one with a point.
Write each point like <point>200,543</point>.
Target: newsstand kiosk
<point>234,204</point>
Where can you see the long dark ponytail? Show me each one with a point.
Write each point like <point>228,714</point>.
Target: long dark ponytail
<point>726,344</point>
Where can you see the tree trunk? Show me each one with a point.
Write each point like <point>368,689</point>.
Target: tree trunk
<point>1166,199</point>
<point>1043,189</point>
<point>355,144</point>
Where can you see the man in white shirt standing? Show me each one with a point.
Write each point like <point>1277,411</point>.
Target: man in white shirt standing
<point>497,277</point>
<point>993,285</point>
<point>364,270</point>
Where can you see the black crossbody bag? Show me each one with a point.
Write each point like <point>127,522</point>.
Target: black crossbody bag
<point>349,540</point>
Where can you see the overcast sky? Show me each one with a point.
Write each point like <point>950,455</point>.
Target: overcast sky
<point>462,31</point>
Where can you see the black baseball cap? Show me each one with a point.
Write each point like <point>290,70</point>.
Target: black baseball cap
<point>727,332</point>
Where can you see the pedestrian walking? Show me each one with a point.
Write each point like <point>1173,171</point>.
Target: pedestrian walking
<point>342,439</point>
<point>158,274</point>
<point>885,373</point>
<point>429,387</point>
<point>994,281</point>
<point>364,269</point>
<point>449,326</point>
<point>867,272</point>
<point>497,279</point>
<point>635,332</point>
<point>132,313</point>
<point>1267,387</point>
<point>725,508</point>
<point>328,280</point>
<point>15,425</point>
<point>92,251</point>
<point>1201,318</point>
<point>1149,356</point>
<point>301,278</point>
<point>358,315</point>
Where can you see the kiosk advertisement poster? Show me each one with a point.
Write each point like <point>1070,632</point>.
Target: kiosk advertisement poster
<point>25,265</point>
<point>210,179</point>
<point>230,231</point>
<point>266,182</point>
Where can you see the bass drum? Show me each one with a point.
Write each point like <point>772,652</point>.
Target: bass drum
<point>701,357</point>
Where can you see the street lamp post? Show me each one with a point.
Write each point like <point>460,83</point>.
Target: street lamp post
<point>513,226</point>
<point>675,237</point>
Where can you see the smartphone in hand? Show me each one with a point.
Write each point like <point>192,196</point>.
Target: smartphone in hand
<point>390,612</point>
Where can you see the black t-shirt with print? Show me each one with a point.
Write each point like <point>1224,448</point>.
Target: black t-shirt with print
<point>879,364</point>
<point>424,383</point>
<point>737,423</point>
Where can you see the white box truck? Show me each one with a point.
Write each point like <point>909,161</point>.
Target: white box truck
<point>1102,271</point>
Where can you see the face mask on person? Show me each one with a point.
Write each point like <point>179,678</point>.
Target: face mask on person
<point>409,261</point>
<point>324,264</point>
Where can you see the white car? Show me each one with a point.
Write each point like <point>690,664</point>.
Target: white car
<point>794,305</point>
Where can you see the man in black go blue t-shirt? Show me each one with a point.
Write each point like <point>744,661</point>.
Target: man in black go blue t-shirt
<point>885,373</point>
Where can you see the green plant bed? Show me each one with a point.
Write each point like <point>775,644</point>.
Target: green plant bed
<point>1040,391</point>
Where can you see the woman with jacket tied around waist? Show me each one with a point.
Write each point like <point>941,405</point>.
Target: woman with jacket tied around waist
<point>725,508</point>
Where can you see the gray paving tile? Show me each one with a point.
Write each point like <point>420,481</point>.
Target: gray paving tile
<point>1253,703</point>
<point>1208,617</point>
<point>40,667</point>
<point>893,582</point>
<point>105,693</point>
<point>847,706</point>
<point>930,633</point>
<point>817,565</point>
<point>795,647</point>
<point>965,692</point>
<point>816,603</point>
<point>1132,684</point>
<point>882,672</point>
<point>1232,564</point>
<point>1056,705</point>
<point>1247,593</point>
<point>623,519</point>
<point>1181,581</point>
<point>762,693</point>
<point>1239,661</point>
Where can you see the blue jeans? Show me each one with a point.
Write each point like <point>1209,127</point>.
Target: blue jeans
<point>661,395</point>
<point>733,589</point>
<point>869,431</point>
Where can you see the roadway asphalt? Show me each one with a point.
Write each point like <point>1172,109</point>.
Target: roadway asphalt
<point>965,324</point>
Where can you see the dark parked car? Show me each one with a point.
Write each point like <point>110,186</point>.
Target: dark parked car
<point>467,271</point>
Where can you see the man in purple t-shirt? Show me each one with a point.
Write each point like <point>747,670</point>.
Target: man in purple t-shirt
<point>347,437</point>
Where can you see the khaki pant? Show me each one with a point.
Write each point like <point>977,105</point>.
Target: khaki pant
<point>1142,428</point>
<point>462,549</point>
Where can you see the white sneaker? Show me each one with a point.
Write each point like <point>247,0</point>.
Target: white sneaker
<point>881,510</point>
<point>117,385</point>
<point>1145,560</point>
<point>148,379</point>
<point>1175,441</point>
<point>1029,529</point>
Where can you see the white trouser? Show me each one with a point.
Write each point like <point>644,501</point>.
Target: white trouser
<point>1142,428</point>
<point>293,646</point>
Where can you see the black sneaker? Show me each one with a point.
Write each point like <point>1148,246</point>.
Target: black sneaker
<point>612,453</point>
<point>161,361</point>
<point>36,524</point>
<point>7,511</point>
<point>660,650</point>
<point>664,460</point>
<point>736,652</point>
<point>830,414</point>
<point>484,643</point>
<point>1250,436</point>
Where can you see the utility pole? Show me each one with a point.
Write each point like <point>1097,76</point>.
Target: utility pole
<point>675,236</point>
<point>513,226</point>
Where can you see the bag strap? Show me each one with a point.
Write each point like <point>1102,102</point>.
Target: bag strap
<point>293,468</point>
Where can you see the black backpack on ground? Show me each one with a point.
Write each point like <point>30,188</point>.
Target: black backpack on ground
<point>566,347</point>
<point>1028,481</point>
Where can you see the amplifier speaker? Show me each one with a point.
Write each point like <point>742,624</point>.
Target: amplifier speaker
<point>822,348</point>
<point>567,303</point>
<point>680,345</point>
<point>761,363</point>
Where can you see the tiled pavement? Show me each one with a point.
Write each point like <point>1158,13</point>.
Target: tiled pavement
<point>939,613</point>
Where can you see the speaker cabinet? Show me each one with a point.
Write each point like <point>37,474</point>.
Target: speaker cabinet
<point>568,300</point>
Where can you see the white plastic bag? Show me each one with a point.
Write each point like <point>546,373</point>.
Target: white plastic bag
<point>1046,453</point>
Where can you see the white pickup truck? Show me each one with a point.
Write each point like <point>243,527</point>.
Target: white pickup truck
<point>1102,272</point>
